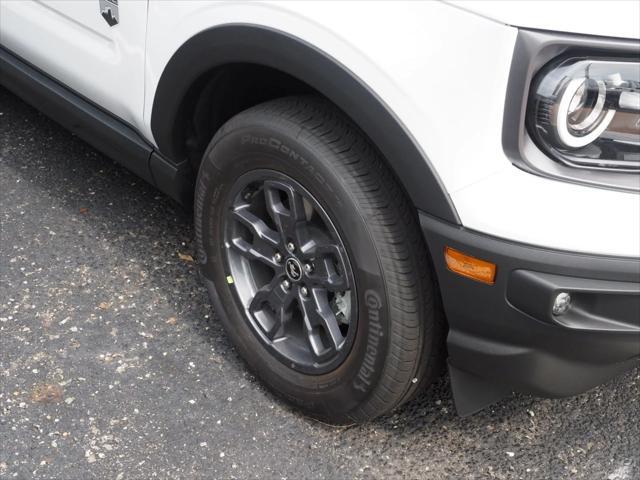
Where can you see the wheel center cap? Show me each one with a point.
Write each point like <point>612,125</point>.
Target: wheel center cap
<point>293,269</point>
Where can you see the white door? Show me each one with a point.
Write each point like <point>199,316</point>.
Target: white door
<point>73,42</point>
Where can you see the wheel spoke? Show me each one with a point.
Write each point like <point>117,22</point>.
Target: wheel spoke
<point>331,280</point>
<point>329,266</point>
<point>317,313</point>
<point>271,307</point>
<point>256,251</point>
<point>286,218</point>
<point>257,226</point>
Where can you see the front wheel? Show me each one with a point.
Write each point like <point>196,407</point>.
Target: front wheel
<point>314,261</point>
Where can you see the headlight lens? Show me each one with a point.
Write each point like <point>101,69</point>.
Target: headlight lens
<point>586,113</point>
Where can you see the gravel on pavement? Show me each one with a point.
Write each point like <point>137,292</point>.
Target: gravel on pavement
<point>113,364</point>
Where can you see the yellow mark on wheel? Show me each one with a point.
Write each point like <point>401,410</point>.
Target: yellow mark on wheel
<point>229,279</point>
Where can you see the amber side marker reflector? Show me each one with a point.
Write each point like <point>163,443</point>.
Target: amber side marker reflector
<point>470,267</point>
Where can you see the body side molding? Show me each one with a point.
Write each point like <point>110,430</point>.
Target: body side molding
<point>107,133</point>
<point>242,43</point>
<point>110,135</point>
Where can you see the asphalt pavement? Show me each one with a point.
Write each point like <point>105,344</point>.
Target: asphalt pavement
<point>113,364</point>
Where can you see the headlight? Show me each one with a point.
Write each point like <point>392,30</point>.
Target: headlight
<point>586,113</point>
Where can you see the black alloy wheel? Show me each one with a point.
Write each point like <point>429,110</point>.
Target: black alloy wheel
<point>290,272</point>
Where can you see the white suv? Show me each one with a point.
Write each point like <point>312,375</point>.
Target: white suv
<point>378,187</point>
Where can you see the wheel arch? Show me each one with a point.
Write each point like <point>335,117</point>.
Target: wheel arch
<point>252,44</point>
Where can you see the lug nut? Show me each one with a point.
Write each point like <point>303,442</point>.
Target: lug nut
<point>247,195</point>
<point>304,291</point>
<point>286,284</point>
<point>561,304</point>
<point>308,267</point>
<point>291,247</point>
<point>277,257</point>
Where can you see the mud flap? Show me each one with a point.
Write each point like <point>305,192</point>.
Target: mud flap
<point>472,393</point>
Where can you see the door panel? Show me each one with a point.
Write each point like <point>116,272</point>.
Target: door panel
<point>72,42</point>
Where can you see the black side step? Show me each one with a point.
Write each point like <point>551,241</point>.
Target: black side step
<point>106,133</point>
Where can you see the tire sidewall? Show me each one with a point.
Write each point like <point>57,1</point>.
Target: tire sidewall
<point>240,149</point>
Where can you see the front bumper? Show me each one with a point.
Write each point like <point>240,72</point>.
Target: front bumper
<point>504,336</point>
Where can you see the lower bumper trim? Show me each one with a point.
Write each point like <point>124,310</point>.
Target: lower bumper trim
<point>507,335</point>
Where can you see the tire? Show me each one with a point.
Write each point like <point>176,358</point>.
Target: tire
<point>301,154</point>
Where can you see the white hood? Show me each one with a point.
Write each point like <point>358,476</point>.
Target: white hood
<point>605,17</point>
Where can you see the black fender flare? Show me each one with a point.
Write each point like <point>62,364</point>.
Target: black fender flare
<point>242,43</point>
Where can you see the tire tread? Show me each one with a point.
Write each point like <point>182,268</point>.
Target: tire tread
<point>416,346</point>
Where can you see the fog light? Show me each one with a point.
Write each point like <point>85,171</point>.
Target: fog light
<point>562,304</point>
